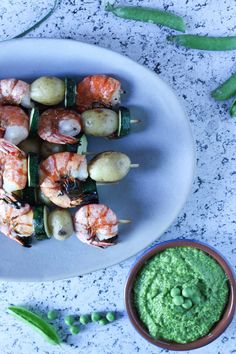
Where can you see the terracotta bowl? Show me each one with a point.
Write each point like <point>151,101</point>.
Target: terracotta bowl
<point>218,328</point>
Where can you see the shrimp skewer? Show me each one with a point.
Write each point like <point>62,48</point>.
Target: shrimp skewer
<point>16,218</point>
<point>97,91</point>
<point>96,225</point>
<point>13,167</point>
<point>59,126</point>
<point>14,124</point>
<point>15,92</point>
<point>60,176</point>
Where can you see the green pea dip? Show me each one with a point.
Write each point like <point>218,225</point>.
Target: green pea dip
<point>180,294</point>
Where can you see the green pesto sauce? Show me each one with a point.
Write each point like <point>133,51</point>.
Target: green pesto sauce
<point>193,273</point>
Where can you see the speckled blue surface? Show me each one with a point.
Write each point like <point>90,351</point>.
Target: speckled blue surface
<point>209,215</point>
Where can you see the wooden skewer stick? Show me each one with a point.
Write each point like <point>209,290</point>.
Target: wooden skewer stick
<point>134,165</point>
<point>135,121</point>
<point>124,221</point>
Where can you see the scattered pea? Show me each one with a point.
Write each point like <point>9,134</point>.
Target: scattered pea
<point>196,299</point>
<point>52,314</point>
<point>69,320</point>
<point>110,316</point>
<point>187,292</point>
<point>103,322</point>
<point>175,291</point>
<point>187,304</point>
<point>74,329</point>
<point>96,316</point>
<point>84,319</point>
<point>178,300</point>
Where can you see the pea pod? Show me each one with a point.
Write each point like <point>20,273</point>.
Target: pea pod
<point>233,109</point>
<point>145,14</point>
<point>225,90</point>
<point>36,322</point>
<point>204,42</point>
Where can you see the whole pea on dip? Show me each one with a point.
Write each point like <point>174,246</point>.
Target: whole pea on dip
<point>180,294</point>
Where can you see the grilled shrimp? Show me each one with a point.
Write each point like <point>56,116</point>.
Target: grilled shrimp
<point>97,91</point>
<point>16,218</point>
<point>15,92</point>
<point>59,126</point>
<point>14,124</point>
<point>13,167</point>
<point>60,176</point>
<point>96,224</point>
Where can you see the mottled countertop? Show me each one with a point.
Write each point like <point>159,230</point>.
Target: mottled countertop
<point>209,214</point>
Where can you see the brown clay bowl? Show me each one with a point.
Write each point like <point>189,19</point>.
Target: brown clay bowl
<point>218,328</point>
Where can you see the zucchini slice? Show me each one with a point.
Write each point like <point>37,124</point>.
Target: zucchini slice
<point>33,169</point>
<point>34,121</point>
<point>29,195</point>
<point>40,221</point>
<point>123,122</point>
<point>80,147</point>
<point>89,192</point>
<point>70,92</point>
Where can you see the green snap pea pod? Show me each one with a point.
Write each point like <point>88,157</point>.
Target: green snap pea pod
<point>204,42</point>
<point>225,90</point>
<point>233,109</point>
<point>145,14</point>
<point>36,322</point>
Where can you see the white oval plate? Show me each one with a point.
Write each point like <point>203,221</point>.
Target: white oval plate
<point>151,196</point>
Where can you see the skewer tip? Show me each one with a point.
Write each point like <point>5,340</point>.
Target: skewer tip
<point>134,165</point>
<point>121,221</point>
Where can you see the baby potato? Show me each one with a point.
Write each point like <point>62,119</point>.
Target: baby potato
<point>109,166</point>
<point>30,145</point>
<point>60,224</point>
<point>48,90</point>
<point>48,149</point>
<point>99,122</point>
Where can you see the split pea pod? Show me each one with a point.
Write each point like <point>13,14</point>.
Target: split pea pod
<point>145,14</point>
<point>204,42</point>
<point>225,90</point>
<point>36,322</point>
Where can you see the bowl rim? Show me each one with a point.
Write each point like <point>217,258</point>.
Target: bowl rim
<point>217,329</point>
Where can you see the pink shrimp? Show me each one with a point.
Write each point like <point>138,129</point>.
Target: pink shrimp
<point>14,124</point>
<point>60,176</point>
<point>16,218</point>
<point>59,126</point>
<point>96,225</point>
<point>13,167</point>
<point>15,92</point>
<point>97,91</point>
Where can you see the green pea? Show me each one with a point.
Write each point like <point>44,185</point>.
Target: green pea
<point>178,300</point>
<point>196,299</point>
<point>175,291</point>
<point>110,316</point>
<point>96,316</point>
<point>103,322</point>
<point>52,315</point>
<point>69,320</point>
<point>84,319</point>
<point>74,329</point>
<point>187,292</point>
<point>187,304</point>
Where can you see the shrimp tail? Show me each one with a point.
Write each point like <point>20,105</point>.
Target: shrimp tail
<point>63,139</point>
<point>8,148</point>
